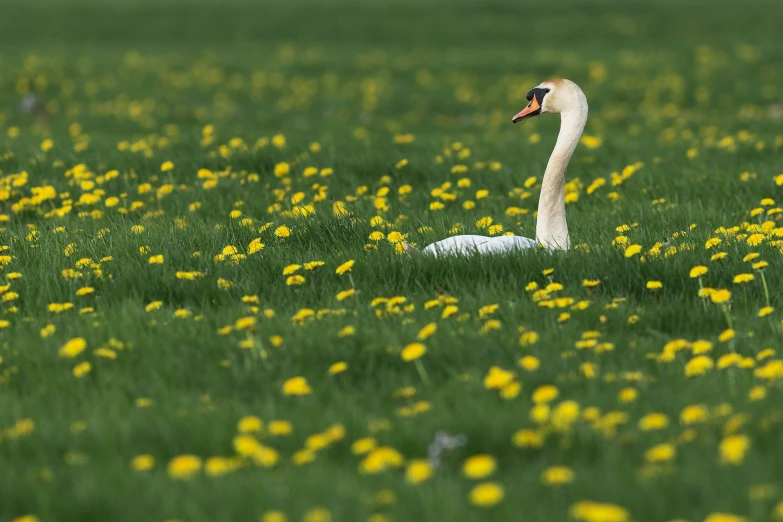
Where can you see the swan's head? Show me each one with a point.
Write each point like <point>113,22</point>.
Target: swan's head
<point>556,96</point>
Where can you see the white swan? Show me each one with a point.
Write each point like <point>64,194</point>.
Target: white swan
<point>559,96</point>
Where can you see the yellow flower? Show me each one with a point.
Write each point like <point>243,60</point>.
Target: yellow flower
<point>589,511</point>
<point>527,439</point>
<point>217,466</point>
<point>529,363</point>
<point>627,395</point>
<point>82,369</point>
<point>765,311</point>
<point>312,265</point>
<point>545,394</point>
<point>698,271</point>
<point>726,335</point>
<point>654,285</point>
<point>250,424</point>
<point>528,338</point>
<point>156,260</point>
<point>296,386</point>
<point>427,331</point>
<point>27,518</point>
<point>720,296</point>
<point>362,446</point>
<point>743,278</point>
<point>660,453</point>
<point>338,367</point>
<point>291,269</point>
<point>255,246</point>
<point>694,414</point>
<point>497,378</point>
<point>143,462</point>
<point>698,365</point>
<point>413,351</point>
<point>591,283</point>
<point>282,231</point>
<point>154,305</point>
<point>479,466</point>
<point>166,166</point>
<point>345,267</point>
<point>724,517</point>
<point>282,169</point>
<point>653,421</point>
<point>184,466</point>
<point>632,250</point>
<point>295,280</point>
<point>274,516</point>
<point>317,515</point>
<point>418,471</point>
<point>733,449</point>
<point>345,294</point>
<point>280,428</point>
<point>557,475</point>
<point>486,494</point>
<point>73,348</point>
<point>591,142</point>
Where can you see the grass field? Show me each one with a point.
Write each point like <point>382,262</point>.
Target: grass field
<point>205,316</point>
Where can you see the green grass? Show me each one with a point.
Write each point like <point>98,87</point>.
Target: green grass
<point>690,90</point>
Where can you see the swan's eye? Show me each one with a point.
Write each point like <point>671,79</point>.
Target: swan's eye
<point>538,92</point>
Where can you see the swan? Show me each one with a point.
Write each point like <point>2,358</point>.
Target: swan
<point>558,96</point>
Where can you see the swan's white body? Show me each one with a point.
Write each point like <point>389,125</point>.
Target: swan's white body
<point>479,244</point>
<point>562,97</point>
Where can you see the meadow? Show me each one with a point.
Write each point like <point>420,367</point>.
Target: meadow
<point>206,313</point>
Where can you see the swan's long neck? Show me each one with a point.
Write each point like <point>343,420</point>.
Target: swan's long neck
<point>551,226</point>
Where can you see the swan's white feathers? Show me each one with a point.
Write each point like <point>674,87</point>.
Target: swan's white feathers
<point>468,244</point>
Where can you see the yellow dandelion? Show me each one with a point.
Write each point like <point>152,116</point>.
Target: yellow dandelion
<point>418,471</point>
<point>413,351</point>
<point>720,296</point>
<point>184,466</point>
<point>487,494</point>
<point>345,267</point>
<point>296,386</point>
<point>73,348</point>
<point>338,367</point>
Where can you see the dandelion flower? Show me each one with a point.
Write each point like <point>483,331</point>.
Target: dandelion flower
<point>720,296</point>
<point>413,351</point>
<point>633,250</point>
<point>82,369</point>
<point>418,471</point>
<point>338,367</point>
<point>733,449</point>
<point>184,466</point>
<point>73,348</point>
<point>487,494</point>
<point>698,271</point>
<point>557,475</point>
<point>282,231</point>
<point>479,466</point>
<point>296,386</point>
<point>143,462</point>
<point>345,267</point>
<point>660,453</point>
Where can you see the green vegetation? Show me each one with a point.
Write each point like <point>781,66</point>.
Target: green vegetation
<point>164,164</point>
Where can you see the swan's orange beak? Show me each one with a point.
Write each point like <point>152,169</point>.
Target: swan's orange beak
<point>532,109</point>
